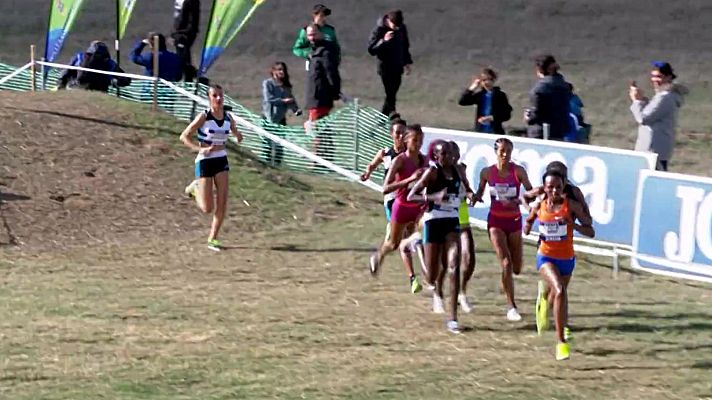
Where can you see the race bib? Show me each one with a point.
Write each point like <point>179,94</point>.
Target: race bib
<point>502,191</point>
<point>553,231</point>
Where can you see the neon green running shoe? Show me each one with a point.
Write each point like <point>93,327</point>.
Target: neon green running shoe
<point>415,286</point>
<point>542,309</point>
<point>191,189</point>
<point>214,245</point>
<point>563,352</point>
<point>568,336</point>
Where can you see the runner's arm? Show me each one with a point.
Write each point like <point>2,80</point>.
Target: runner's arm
<point>531,218</point>
<point>377,160</point>
<point>482,184</point>
<point>585,225</point>
<point>578,196</point>
<point>234,131</point>
<point>531,195</point>
<point>186,135</point>
<point>415,192</point>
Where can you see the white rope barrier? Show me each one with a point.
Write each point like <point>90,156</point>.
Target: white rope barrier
<point>122,74</point>
<point>15,73</point>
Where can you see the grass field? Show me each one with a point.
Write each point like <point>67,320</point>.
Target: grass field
<point>112,293</point>
<point>601,46</point>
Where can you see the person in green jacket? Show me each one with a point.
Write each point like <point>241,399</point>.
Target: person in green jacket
<point>302,47</point>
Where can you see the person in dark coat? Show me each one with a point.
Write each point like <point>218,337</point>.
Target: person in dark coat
<point>549,101</point>
<point>96,57</point>
<point>389,43</point>
<point>186,20</point>
<point>492,104</point>
<point>323,84</point>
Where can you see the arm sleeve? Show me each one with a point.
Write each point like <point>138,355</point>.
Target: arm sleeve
<point>136,57</point>
<point>268,94</point>
<point>407,58</point>
<point>332,73</point>
<point>468,98</point>
<point>375,41</point>
<point>534,100</point>
<point>301,45</point>
<point>658,108</point>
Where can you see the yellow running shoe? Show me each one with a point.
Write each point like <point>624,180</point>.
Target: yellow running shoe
<point>415,286</point>
<point>568,336</point>
<point>542,309</point>
<point>563,352</point>
<point>214,245</point>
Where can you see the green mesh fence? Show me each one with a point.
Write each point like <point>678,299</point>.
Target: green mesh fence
<point>349,137</point>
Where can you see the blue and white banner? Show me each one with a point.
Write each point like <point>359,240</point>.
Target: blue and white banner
<point>673,225</point>
<point>607,177</point>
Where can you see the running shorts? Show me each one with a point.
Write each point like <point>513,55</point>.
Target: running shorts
<point>405,213</point>
<point>435,230</point>
<point>209,167</point>
<point>565,266</point>
<point>507,224</point>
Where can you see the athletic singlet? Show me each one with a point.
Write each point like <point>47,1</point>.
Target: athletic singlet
<point>451,202</point>
<point>213,132</point>
<point>555,233</point>
<point>388,156</point>
<point>506,188</point>
<point>408,169</point>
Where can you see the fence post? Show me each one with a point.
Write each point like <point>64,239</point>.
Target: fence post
<point>546,128</point>
<point>616,265</point>
<point>43,85</point>
<point>155,72</point>
<point>357,112</point>
<point>33,68</point>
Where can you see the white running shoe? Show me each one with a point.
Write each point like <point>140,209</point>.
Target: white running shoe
<point>464,303</point>
<point>513,315</point>
<point>438,307</point>
<point>453,327</point>
<point>191,188</point>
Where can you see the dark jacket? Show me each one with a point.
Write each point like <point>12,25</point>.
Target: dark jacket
<point>549,102</point>
<point>96,57</point>
<point>323,85</point>
<point>170,66</point>
<point>186,19</point>
<point>501,110</point>
<point>392,55</point>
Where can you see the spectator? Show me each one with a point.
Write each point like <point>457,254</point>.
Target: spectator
<point>549,100</point>
<point>389,43</point>
<point>302,46</point>
<point>170,66</point>
<point>323,83</point>
<point>657,117</point>
<point>186,20</point>
<point>492,104</point>
<point>277,98</point>
<point>583,130</point>
<point>95,57</point>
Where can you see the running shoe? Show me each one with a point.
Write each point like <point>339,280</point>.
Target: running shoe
<point>563,352</point>
<point>513,315</point>
<point>464,303</point>
<point>214,245</point>
<point>542,309</point>
<point>415,286</point>
<point>438,306</point>
<point>191,189</point>
<point>568,336</point>
<point>453,327</point>
<point>373,264</point>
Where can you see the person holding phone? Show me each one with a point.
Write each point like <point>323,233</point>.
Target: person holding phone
<point>390,44</point>
<point>492,104</point>
<point>657,117</point>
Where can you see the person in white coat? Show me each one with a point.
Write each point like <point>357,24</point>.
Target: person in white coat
<point>657,117</point>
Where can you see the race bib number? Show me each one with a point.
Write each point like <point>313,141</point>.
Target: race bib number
<point>502,191</point>
<point>553,231</point>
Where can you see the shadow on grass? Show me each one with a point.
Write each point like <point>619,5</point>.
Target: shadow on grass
<point>296,249</point>
<point>647,314</point>
<point>649,328</point>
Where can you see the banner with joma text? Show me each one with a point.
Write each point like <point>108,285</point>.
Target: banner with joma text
<point>673,225</point>
<point>607,177</point>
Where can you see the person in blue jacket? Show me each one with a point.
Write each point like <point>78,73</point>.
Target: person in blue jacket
<point>170,66</point>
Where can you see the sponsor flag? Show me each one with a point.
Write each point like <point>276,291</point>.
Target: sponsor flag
<point>124,9</point>
<point>61,17</point>
<point>226,19</point>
